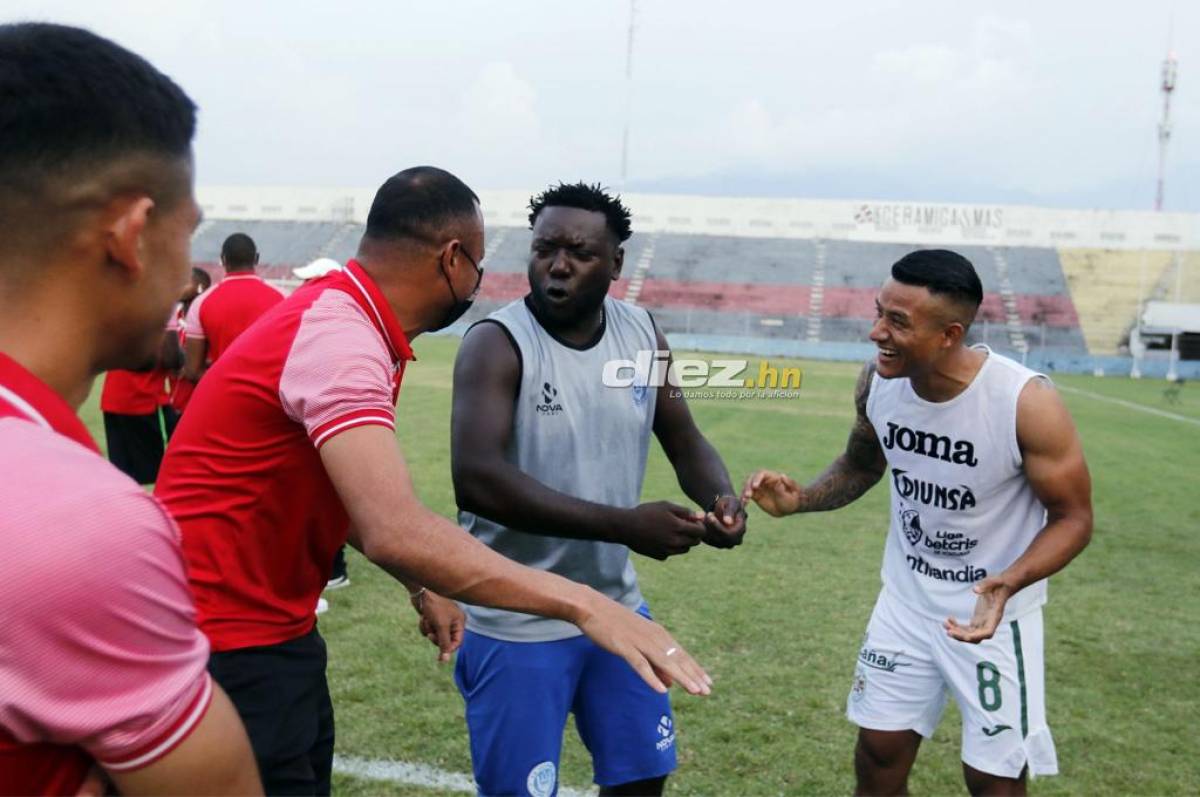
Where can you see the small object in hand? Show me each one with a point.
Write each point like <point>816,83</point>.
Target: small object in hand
<point>672,651</point>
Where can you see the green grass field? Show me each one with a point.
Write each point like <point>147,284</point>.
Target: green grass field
<point>778,621</point>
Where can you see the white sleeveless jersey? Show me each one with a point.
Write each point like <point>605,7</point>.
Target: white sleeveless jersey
<point>962,509</point>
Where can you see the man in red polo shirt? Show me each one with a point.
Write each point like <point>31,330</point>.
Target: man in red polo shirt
<point>288,447</point>
<point>138,415</point>
<point>218,316</point>
<point>101,662</point>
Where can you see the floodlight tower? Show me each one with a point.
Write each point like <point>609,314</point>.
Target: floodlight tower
<point>1170,66</point>
<point>1169,69</point>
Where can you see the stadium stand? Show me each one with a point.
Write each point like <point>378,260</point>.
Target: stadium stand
<point>282,245</point>
<point>1041,301</point>
<point>1106,285</point>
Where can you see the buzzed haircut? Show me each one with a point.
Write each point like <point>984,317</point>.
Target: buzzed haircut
<point>942,273</point>
<point>239,251</point>
<point>72,102</point>
<point>584,197</point>
<point>201,277</point>
<point>419,204</point>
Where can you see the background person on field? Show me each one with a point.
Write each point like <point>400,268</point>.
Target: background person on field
<point>316,269</point>
<point>134,406</point>
<point>219,315</point>
<point>179,390</point>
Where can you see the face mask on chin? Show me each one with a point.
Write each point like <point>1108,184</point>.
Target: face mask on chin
<point>460,306</point>
<point>456,311</point>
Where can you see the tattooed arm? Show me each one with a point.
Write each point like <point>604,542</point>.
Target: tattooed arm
<point>846,479</point>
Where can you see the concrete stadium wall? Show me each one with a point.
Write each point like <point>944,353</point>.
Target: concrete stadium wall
<point>1154,366</point>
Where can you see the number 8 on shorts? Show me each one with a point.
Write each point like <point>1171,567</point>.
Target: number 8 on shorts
<point>989,685</point>
<point>908,665</point>
<point>1000,690</point>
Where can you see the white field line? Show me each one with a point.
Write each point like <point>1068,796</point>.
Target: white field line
<point>1130,405</point>
<point>421,775</point>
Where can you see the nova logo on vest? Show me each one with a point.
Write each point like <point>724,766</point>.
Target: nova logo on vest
<point>549,405</point>
<point>960,452</point>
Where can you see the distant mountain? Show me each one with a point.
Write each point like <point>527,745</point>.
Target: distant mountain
<point>1182,193</point>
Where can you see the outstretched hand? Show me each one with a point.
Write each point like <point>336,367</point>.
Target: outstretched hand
<point>442,622</point>
<point>649,649</point>
<point>989,611</point>
<point>775,493</point>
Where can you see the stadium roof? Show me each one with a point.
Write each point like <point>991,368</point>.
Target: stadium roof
<point>1171,317</point>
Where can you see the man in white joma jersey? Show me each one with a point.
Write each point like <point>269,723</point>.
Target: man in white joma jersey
<point>990,496</point>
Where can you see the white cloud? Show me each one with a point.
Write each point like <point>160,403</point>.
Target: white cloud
<point>1001,39</point>
<point>499,109</point>
<point>926,105</point>
<point>923,63</point>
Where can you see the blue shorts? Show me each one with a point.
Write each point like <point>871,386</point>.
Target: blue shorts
<point>518,695</point>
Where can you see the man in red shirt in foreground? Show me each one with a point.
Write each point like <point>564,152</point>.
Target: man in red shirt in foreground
<point>289,447</point>
<point>101,662</point>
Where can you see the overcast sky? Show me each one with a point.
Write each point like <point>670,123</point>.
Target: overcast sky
<point>1050,103</point>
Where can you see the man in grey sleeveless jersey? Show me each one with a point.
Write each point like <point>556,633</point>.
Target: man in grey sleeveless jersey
<point>548,465</point>
<point>990,496</point>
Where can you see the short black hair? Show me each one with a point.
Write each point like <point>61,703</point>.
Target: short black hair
<point>201,276</point>
<point>942,273</point>
<point>419,203</point>
<point>239,250</point>
<point>585,197</point>
<point>72,101</point>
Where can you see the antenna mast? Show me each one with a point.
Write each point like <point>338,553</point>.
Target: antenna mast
<point>1170,66</point>
<point>628,94</point>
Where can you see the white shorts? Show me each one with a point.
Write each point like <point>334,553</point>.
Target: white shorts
<point>908,663</point>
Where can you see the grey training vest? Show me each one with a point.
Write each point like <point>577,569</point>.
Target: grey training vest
<point>579,437</point>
